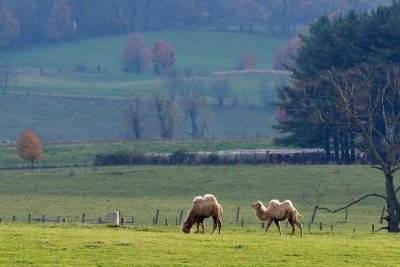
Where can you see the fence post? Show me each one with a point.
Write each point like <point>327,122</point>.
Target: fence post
<point>83,217</point>
<point>132,220</point>
<point>373,228</point>
<point>166,222</point>
<point>242,223</point>
<point>176,221</point>
<point>14,219</point>
<point>99,220</point>
<point>156,219</point>
<point>180,217</point>
<point>320,226</point>
<point>58,219</point>
<point>122,221</point>
<point>331,228</point>
<point>43,218</point>
<point>29,218</point>
<point>237,214</point>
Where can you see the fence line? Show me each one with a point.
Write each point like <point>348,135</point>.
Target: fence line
<point>320,226</point>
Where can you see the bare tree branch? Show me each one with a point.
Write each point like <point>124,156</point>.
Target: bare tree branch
<point>351,203</point>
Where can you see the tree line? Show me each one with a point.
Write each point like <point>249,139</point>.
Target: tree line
<point>27,22</point>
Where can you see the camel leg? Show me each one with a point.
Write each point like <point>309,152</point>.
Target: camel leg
<point>291,221</point>
<point>215,224</point>
<point>197,225</point>
<point>300,226</point>
<point>278,224</point>
<point>202,226</point>
<point>269,222</point>
<point>219,225</point>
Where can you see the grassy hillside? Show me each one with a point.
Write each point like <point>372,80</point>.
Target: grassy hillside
<point>203,51</point>
<point>76,119</point>
<point>139,191</point>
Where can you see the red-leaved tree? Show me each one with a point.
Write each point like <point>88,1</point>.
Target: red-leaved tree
<point>30,147</point>
<point>163,56</point>
<point>136,55</point>
<point>246,62</point>
<point>283,57</point>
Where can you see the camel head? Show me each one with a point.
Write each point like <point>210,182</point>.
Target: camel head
<point>257,205</point>
<point>186,227</point>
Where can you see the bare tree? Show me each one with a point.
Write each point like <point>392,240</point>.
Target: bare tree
<point>194,107</point>
<point>366,100</point>
<point>133,113</point>
<point>221,89</point>
<point>168,114</point>
<point>173,82</point>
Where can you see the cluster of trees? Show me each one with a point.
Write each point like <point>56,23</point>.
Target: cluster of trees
<point>345,94</point>
<point>192,106</point>
<point>136,55</point>
<point>25,22</point>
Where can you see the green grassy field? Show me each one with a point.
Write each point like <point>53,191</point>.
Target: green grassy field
<point>75,245</point>
<point>139,191</point>
<point>61,118</point>
<point>203,51</point>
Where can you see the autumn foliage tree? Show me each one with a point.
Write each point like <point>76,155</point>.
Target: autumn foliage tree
<point>60,26</point>
<point>246,62</point>
<point>9,27</point>
<point>136,55</point>
<point>283,57</point>
<point>30,147</point>
<point>163,56</point>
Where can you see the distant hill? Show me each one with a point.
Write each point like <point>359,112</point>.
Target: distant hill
<point>89,71</point>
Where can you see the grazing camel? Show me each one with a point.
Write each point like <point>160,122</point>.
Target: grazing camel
<point>203,207</point>
<point>277,212</point>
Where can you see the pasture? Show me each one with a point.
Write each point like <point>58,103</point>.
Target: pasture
<point>80,94</point>
<point>86,245</point>
<point>139,191</point>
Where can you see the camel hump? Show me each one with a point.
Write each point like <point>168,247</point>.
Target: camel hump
<point>274,203</point>
<point>210,198</point>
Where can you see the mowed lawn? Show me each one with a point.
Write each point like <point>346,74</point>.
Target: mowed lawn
<point>83,245</point>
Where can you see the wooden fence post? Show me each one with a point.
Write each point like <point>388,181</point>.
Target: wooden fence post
<point>43,218</point>
<point>237,214</point>
<point>180,217</point>
<point>156,219</point>
<point>373,228</point>
<point>29,218</point>
<point>14,219</point>
<point>242,223</point>
<point>166,222</point>
<point>83,217</point>
<point>320,226</point>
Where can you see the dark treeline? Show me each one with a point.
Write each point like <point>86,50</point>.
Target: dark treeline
<point>26,22</point>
